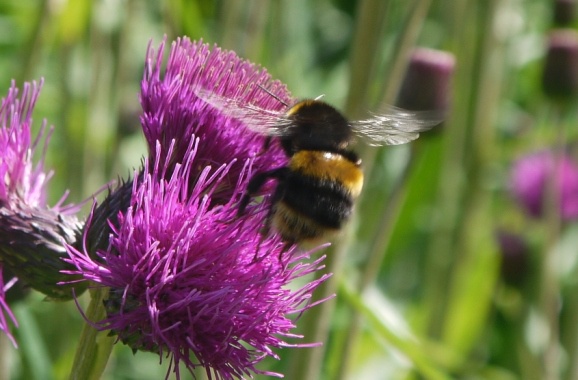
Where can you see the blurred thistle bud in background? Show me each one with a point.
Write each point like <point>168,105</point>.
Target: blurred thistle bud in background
<point>530,177</point>
<point>560,73</point>
<point>427,84</point>
<point>32,234</point>
<point>564,12</point>
<point>515,257</point>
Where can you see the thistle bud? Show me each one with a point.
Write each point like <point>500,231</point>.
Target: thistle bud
<point>564,12</point>
<point>560,74</point>
<point>427,82</point>
<point>515,256</point>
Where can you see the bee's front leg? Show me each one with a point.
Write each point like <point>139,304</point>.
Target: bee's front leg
<point>256,183</point>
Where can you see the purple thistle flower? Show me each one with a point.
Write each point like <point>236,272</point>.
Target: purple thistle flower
<point>187,277</point>
<point>171,110</point>
<point>529,181</point>
<point>31,233</point>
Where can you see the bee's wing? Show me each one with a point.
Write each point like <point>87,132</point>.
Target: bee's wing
<point>395,126</point>
<point>257,119</point>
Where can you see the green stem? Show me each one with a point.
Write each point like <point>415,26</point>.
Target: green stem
<point>307,362</point>
<point>570,332</point>
<point>370,25</point>
<point>377,254</point>
<point>94,347</point>
<point>469,146</point>
<point>34,49</point>
<point>400,56</point>
<point>415,350</point>
<point>550,301</point>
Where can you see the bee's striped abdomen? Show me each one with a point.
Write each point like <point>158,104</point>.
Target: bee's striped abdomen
<point>318,195</point>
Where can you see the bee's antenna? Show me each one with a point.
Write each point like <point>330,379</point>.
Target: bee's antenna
<point>273,95</point>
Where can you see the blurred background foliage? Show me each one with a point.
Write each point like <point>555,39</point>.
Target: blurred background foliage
<point>424,287</point>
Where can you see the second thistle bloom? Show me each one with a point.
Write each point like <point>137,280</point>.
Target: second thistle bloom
<point>32,234</point>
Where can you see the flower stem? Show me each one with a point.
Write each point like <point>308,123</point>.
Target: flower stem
<point>94,347</point>
<point>550,288</point>
<point>375,259</point>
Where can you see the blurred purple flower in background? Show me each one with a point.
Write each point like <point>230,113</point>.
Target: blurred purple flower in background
<point>31,233</point>
<point>188,278</point>
<point>529,181</point>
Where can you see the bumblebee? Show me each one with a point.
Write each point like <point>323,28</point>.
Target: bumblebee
<point>317,189</point>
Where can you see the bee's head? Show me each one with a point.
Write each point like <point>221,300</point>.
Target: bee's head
<point>317,126</point>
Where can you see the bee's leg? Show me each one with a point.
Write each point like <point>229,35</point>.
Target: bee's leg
<point>256,183</point>
<point>277,195</point>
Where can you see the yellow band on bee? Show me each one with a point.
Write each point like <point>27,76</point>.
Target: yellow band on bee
<point>328,166</point>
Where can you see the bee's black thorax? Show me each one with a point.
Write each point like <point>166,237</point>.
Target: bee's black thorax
<point>317,126</point>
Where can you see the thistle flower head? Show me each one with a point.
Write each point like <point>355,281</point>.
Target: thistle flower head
<point>31,232</point>
<point>172,110</point>
<point>188,278</point>
<point>531,176</point>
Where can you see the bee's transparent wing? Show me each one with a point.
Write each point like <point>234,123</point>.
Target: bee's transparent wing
<point>395,126</point>
<point>257,119</point>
